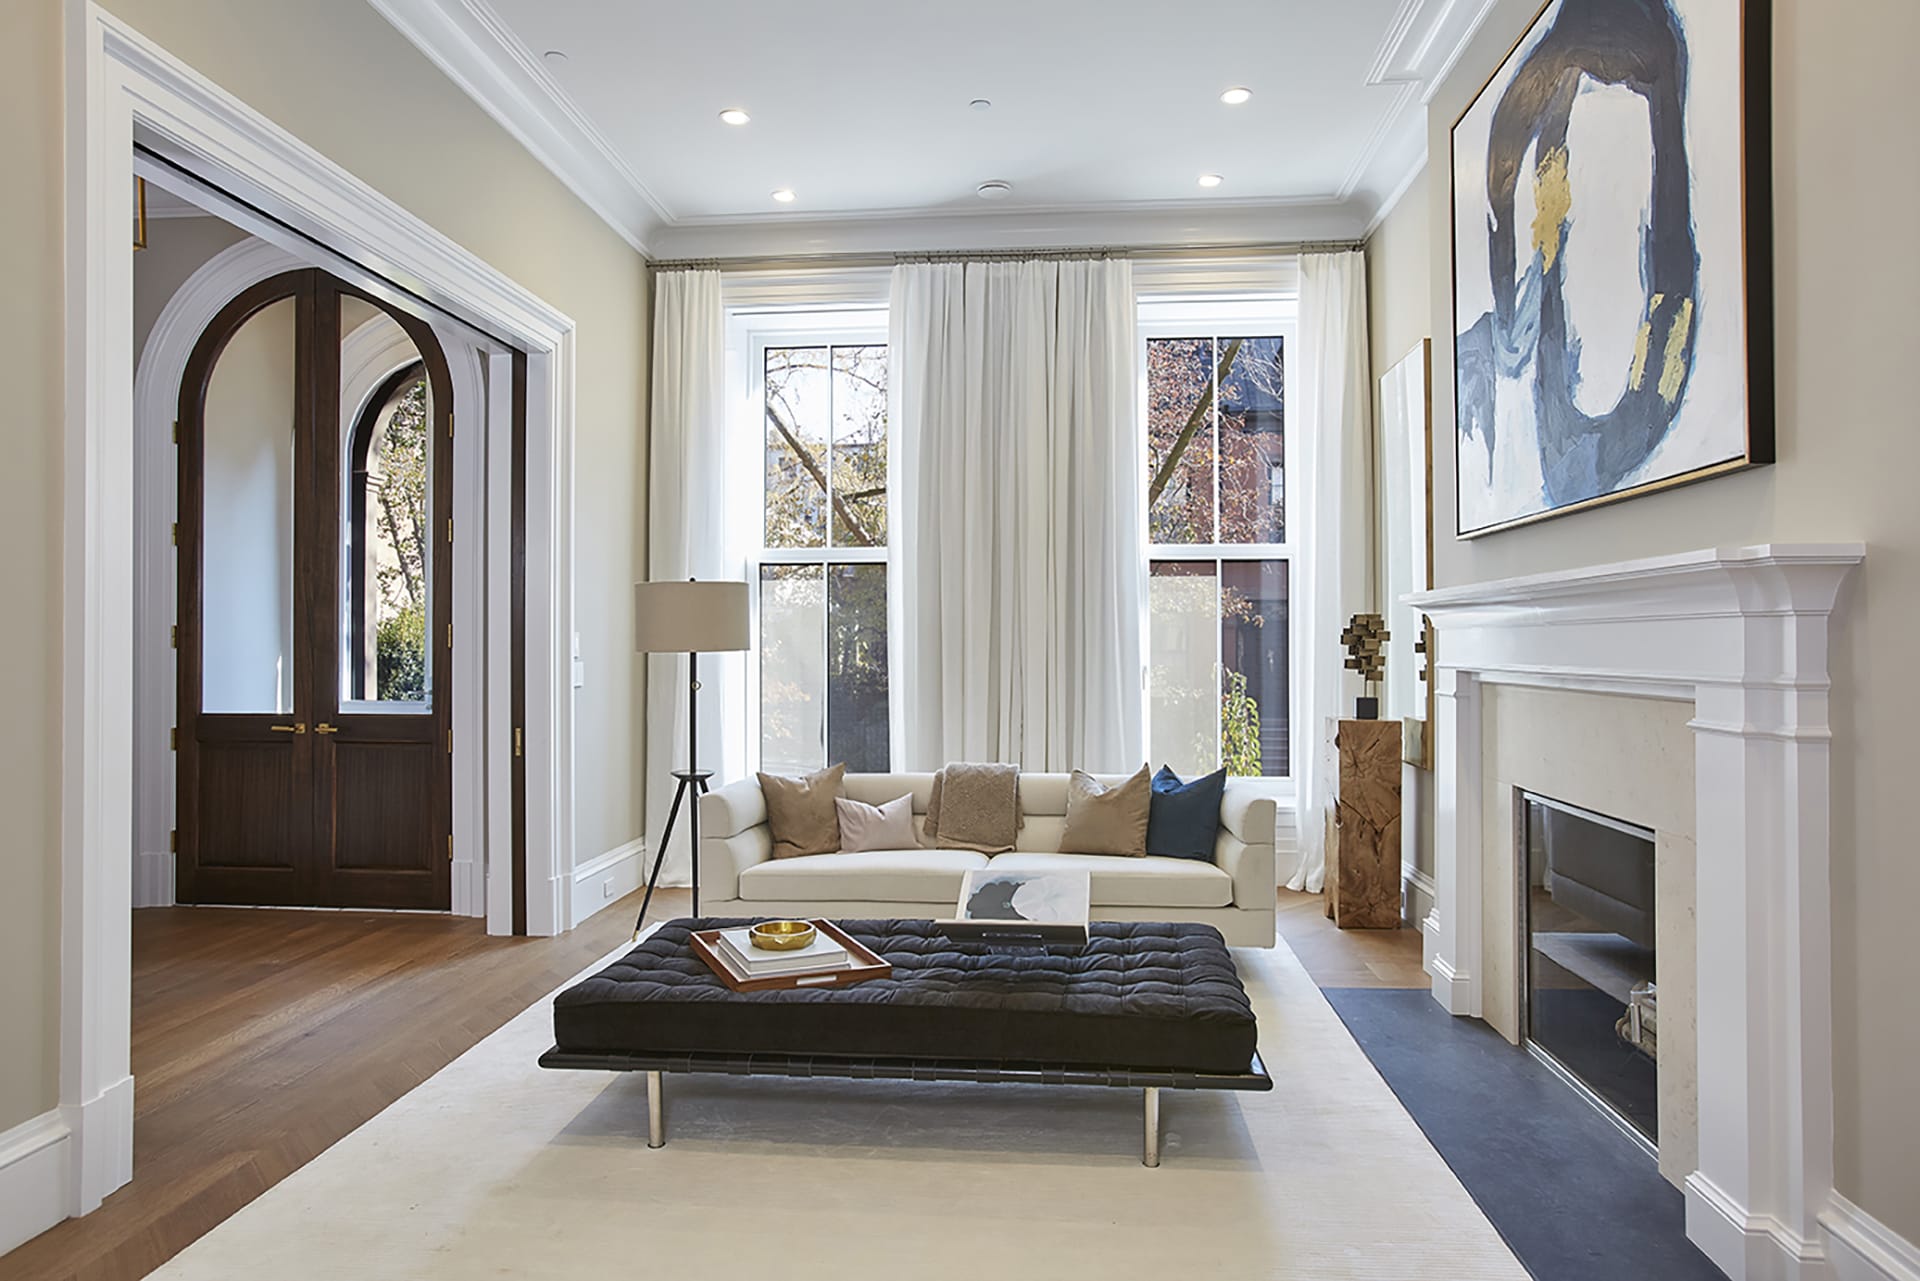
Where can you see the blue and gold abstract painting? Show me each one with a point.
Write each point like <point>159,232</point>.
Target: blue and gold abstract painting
<point>1607,315</point>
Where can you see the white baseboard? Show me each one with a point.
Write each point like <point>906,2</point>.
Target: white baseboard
<point>1748,1246</point>
<point>1861,1248</point>
<point>153,878</point>
<point>35,1173</point>
<point>613,875</point>
<point>102,1130</point>
<point>1418,896</point>
<point>1454,991</point>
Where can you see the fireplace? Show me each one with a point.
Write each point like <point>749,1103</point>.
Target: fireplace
<point>1737,639</point>
<point>1588,982</point>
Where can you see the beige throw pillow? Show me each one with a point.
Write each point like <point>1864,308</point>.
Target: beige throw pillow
<point>1107,820</point>
<point>865,827</point>
<point>800,812</point>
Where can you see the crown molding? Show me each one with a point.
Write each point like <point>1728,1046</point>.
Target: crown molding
<point>479,53</point>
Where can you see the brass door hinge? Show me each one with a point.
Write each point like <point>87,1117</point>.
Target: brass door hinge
<point>449,742</point>
<point>449,847</point>
<point>449,529</point>
<point>516,740</point>
<point>173,841</point>
<point>173,739</point>
<point>175,533</point>
<point>449,635</point>
<point>173,635</point>
<point>176,431</point>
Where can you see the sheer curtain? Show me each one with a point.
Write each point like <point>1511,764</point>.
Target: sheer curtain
<point>1017,553</point>
<point>1332,389</point>
<point>687,530</point>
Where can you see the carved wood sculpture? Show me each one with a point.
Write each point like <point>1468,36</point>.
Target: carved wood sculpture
<point>1363,873</point>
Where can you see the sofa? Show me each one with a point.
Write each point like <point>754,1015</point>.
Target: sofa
<point>740,877</point>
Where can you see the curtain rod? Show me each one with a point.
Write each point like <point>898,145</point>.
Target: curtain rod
<point>797,262</point>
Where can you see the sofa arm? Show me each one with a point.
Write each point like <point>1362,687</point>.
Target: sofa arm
<point>733,809</point>
<point>733,837</point>
<point>1250,866</point>
<point>1248,812</point>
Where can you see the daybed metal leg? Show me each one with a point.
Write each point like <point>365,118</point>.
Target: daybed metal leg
<point>656,1128</point>
<point>1150,1156</point>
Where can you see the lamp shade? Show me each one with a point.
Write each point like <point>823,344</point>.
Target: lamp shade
<point>683,617</point>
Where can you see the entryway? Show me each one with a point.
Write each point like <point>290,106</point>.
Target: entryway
<point>314,547</point>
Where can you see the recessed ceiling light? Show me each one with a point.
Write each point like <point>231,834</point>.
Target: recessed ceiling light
<point>980,104</point>
<point>1211,180</point>
<point>1236,95</point>
<point>994,190</point>
<point>555,57</point>
<point>784,196</point>
<point>735,116</point>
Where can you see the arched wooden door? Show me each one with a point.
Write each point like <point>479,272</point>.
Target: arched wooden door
<point>315,557</point>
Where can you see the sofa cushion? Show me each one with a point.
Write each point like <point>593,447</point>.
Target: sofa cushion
<point>1185,818</point>
<point>879,876</point>
<point>1121,880</point>
<point>865,827</point>
<point>800,812</point>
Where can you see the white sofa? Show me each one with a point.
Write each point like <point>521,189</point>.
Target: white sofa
<point>740,877</point>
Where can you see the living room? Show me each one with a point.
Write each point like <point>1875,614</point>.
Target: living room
<point>1395,506</point>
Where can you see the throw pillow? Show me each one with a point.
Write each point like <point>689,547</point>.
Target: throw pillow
<point>1185,818</point>
<point>866,827</point>
<point>800,812</point>
<point>1107,820</point>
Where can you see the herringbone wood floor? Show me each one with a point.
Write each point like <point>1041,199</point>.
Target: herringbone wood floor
<point>261,1037</point>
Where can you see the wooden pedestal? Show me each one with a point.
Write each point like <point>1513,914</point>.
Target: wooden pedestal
<point>1363,858</point>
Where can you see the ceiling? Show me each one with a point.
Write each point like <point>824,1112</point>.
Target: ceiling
<point>1104,114</point>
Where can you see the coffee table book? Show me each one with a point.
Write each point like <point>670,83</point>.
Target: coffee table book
<point>862,963</point>
<point>1021,907</point>
<point>822,953</point>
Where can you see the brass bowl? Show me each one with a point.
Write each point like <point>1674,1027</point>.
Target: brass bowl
<point>781,936</point>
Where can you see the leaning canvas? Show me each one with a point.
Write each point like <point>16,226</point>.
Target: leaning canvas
<point>1611,259</point>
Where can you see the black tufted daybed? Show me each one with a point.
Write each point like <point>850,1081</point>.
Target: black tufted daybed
<point>1142,1005</point>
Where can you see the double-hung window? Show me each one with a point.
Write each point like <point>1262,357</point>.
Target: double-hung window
<point>1219,561</point>
<point>818,676</point>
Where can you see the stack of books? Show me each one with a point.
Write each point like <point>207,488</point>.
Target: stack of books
<point>821,956</point>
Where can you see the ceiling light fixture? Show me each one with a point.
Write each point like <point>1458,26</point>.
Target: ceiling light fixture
<point>735,116</point>
<point>555,57</point>
<point>980,104</point>
<point>994,190</point>
<point>1211,180</point>
<point>1236,95</point>
<point>784,196</point>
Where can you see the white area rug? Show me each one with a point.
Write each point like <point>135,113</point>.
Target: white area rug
<point>495,1168</point>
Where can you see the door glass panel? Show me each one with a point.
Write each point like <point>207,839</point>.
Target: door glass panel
<point>247,526</point>
<point>386,454</point>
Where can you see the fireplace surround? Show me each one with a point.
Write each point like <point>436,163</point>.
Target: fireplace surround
<point>1741,635</point>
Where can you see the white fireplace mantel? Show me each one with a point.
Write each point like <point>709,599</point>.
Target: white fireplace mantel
<point>1741,634</point>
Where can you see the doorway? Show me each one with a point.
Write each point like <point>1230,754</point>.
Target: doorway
<point>314,551</point>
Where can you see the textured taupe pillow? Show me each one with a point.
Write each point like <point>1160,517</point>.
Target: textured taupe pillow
<point>800,812</point>
<point>1107,820</point>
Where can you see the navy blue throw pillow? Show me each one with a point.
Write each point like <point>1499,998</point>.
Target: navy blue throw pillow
<point>1184,818</point>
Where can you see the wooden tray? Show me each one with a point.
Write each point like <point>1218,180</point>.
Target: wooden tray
<point>864,964</point>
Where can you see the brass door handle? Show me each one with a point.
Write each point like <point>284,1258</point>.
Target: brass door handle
<point>324,728</point>
<point>298,727</point>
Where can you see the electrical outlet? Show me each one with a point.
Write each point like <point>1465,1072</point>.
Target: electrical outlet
<point>606,888</point>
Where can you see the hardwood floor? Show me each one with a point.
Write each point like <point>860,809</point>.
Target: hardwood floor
<point>1349,958</point>
<point>261,1037</point>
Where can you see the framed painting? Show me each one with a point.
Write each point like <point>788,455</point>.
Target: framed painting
<point>1612,259</point>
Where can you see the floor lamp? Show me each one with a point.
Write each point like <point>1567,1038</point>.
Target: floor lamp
<point>690,618</point>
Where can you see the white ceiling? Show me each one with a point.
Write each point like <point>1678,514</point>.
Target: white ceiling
<point>1105,113</point>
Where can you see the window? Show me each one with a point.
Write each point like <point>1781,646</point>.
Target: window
<point>388,483</point>
<point>1219,651</point>
<point>821,567</point>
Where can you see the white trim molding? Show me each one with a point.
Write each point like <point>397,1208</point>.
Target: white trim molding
<point>1865,1249</point>
<point>34,1157</point>
<point>122,89</point>
<point>1741,634</point>
<point>600,881</point>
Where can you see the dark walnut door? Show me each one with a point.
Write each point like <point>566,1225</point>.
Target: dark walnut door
<point>315,588</point>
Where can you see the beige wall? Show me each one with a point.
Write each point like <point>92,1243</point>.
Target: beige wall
<point>1847,275</point>
<point>338,77</point>
<point>30,370</point>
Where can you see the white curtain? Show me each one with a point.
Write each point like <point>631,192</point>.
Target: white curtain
<point>1333,431</point>
<point>1017,552</point>
<point>687,529</point>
